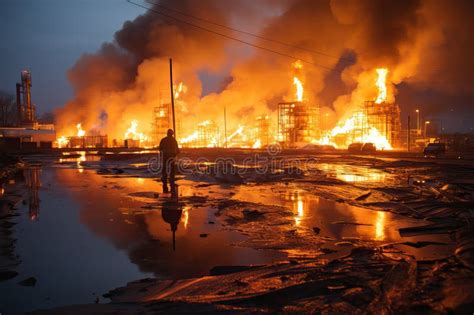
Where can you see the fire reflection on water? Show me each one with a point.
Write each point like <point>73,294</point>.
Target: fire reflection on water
<point>353,174</point>
<point>310,211</point>
<point>380,226</point>
<point>298,205</point>
<point>185,217</point>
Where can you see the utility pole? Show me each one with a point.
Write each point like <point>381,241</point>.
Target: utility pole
<point>408,134</point>
<point>172,97</point>
<point>225,127</point>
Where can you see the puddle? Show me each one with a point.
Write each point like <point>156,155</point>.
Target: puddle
<point>355,174</point>
<point>340,221</point>
<point>80,235</point>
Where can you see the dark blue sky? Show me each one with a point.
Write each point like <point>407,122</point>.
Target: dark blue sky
<point>48,36</point>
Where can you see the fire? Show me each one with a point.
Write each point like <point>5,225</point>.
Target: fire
<point>178,90</point>
<point>133,134</point>
<point>62,142</point>
<point>206,135</point>
<point>80,132</point>
<point>190,138</point>
<point>299,89</point>
<point>351,127</point>
<point>297,66</point>
<point>238,132</point>
<point>257,144</point>
<point>357,127</point>
<point>381,85</point>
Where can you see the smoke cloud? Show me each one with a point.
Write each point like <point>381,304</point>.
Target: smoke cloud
<point>426,45</point>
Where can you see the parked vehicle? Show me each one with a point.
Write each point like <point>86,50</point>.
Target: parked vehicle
<point>355,147</point>
<point>434,149</point>
<point>362,148</point>
<point>369,148</point>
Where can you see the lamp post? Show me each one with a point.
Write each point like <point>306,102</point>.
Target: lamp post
<point>418,131</point>
<point>426,125</point>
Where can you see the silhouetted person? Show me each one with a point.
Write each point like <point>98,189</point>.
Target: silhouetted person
<point>169,150</point>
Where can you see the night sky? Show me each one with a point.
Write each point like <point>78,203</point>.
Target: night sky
<point>48,36</point>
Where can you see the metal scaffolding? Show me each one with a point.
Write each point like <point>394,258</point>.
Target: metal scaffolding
<point>87,142</point>
<point>385,117</point>
<point>262,130</point>
<point>208,135</point>
<point>298,122</point>
<point>162,121</point>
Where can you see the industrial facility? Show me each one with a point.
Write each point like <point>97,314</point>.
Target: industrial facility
<point>27,133</point>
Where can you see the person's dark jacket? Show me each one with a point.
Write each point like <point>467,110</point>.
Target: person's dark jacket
<point>169,146</point>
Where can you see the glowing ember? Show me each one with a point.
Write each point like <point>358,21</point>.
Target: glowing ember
<point>80,132</point>
<point>381,85</point>
<point>133,134</point>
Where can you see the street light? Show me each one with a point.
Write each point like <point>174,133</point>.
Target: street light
<point>418,131</point>
<point>426,125</point>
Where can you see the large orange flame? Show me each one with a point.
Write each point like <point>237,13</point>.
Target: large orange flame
<point>133,134</point>
<point>80,132</point>
<point>381,85</point>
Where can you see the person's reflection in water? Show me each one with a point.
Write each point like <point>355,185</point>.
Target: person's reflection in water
<point>171,212</point>
<point>32,178</point>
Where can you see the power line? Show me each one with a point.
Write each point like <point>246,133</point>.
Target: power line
<point>229,37</point>
<point>247,33</point>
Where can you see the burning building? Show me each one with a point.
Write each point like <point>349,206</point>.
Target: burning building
<point>263,136</point>
<point>298,120</point>
<point>206,136</point>
<point>376,121</point>
<point>162,121</point>
<point>82,140</point>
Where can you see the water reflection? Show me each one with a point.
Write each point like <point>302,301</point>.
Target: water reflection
<point>354,174</point>
<point>380,226</point>
<point>33,183</point>
<point>297,204</point>
<point>335,219</point>
<point>171,212</point>
<point>165,239</point>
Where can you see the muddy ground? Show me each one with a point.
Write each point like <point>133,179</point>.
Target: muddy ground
<point>426,268</point>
